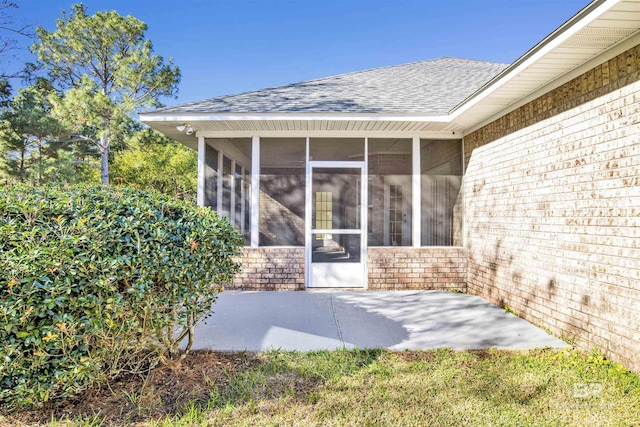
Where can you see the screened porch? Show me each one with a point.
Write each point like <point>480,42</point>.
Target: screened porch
<point>408,194</point>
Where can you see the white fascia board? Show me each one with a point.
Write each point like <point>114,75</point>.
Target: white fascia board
<point>608,54</point>
<point>194,117</point>
<point>562,34</point>
<point>331,134</point>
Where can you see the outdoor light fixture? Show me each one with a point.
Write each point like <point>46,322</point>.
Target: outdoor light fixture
<point>186,128</point>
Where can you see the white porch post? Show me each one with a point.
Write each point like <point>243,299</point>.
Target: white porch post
<point>464,200</point>
<point>255,191</point>
<point>232,184</point>
<point>219,182</point>
<point>364,213</point>
<point>201,165</point>
<point>307,218</point>
<point>416,194</point>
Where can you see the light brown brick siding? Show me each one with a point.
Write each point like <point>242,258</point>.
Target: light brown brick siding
<point>552,210</point>
<point>417,268</point>
<point>270,269</point>
<point>604,79</point>
<point>388,268</point>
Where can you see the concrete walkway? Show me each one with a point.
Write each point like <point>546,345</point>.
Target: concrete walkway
<point>313,320</point>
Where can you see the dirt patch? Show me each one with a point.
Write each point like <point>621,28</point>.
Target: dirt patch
<point>164,391</point>
<point>411,356</point>
<point>167,390</point>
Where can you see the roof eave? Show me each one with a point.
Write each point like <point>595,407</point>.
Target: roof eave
<point>495,98</point>
<point>529,56</point>
<point>296,116</point>
<point>467,113</point>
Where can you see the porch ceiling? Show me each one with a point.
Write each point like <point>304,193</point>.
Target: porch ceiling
<point>237,126</point>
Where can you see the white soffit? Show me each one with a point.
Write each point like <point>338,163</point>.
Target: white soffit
<point>340,128</point>
<point>597,28</point>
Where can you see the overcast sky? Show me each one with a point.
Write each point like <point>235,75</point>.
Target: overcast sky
<point>226,46</point>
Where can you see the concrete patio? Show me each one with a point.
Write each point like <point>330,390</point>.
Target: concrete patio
<point>396,320</point>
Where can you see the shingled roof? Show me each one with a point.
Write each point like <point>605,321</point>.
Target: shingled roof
<point>426,87</point>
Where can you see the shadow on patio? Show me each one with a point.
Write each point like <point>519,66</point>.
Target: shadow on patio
<point>395,320</point>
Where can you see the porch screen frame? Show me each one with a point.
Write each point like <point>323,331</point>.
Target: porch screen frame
<point>364,177</point>
<point>460,165</point>
<point>244,203</point>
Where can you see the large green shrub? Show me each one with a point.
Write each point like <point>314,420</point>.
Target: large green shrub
<point>91,278</point>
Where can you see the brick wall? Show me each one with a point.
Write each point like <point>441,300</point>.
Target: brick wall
<point>388,268</point>
<point>436,153</point>
<point>553,210</point>
<point>417,268</point>
<point>270,269</point>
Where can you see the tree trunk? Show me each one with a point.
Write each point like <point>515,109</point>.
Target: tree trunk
<point>21,170</point>
<point>104,151</point>
<point>40,163</point>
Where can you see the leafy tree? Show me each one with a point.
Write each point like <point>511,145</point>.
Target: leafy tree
<point>107,71</point>
<point>27,133</point>
<point>9,32</point>
<point>72,165</point>
<point>152,161</point>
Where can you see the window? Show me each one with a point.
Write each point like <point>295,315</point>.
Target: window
<point>324,213</point>
<point>211,177</point>
<point>441,182</point>
<point>395,215</point>
<point>238,188</point>
<point>369,205</point>
<point>227,185</point>
<point>390,190</point>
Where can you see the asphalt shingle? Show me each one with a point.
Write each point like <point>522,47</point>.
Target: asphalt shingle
<point>427,87</point>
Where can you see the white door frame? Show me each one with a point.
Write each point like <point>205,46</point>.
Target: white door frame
<point>405,182</point>
<point>357,275</point>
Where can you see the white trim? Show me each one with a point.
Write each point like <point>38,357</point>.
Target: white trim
<point>307,218</point>
<point>243,200</point>
<point>255,191</point>
<point>201,169</point>
<point>406,183</point>
<point>370,117</point>
<point>336,231</point>
<point>232,196</point>
<point>364,215</point>
<point>551,42</point>
<point>463,220</point>
<point>457,134</point>
<point>416,194</point>
<point>336,163</point>
<point>220,181</point>
<point>610,53</point>
<point>335,270</point>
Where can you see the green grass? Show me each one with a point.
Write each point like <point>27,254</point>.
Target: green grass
<point>438,388</point>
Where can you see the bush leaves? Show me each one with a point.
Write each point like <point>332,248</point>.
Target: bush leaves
<point>93,278</point>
